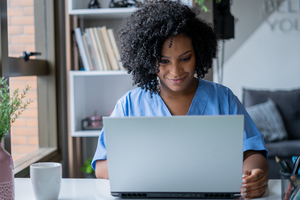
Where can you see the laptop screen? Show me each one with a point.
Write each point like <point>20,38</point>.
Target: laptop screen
<point>178,155</point>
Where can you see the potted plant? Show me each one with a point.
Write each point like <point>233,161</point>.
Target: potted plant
<point>87,169</point>
<point>202,6</point>
<point>10,110</point>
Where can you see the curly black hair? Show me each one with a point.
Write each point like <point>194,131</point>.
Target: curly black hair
<point>142,35</point>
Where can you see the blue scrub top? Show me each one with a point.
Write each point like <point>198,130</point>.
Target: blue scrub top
<point>210,99</point>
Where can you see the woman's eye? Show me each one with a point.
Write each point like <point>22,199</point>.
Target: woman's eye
<point>186,59</point>
<point>164,61</point>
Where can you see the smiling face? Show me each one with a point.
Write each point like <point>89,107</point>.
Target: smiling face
<point>177,68</point>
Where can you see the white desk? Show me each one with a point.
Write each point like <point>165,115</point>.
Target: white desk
<point>88,189</point>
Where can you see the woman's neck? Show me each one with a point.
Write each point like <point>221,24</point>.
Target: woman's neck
<point>179,103</point>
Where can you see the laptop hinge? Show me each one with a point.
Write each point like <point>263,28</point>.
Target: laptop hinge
<point>141,195</point>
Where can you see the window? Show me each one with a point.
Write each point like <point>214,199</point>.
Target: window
<point>33,137</point>
<point>21,37</point>
<point>24,131</point>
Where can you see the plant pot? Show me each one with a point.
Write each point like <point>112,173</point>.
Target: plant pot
<point>90,175</point>
<point>7,186</point>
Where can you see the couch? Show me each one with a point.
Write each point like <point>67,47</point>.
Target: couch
<point>288,105</point>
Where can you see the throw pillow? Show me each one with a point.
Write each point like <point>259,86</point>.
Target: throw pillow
<point>287,103</point>
<point>268,121</point>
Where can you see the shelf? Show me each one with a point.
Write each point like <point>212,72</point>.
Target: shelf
<point>93,133</point>
<point>92,91</point>
<point>102,13</point>
<point>95,91</point>
<point>98,73</point>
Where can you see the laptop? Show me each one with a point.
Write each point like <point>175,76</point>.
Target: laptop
<point>175,157</point>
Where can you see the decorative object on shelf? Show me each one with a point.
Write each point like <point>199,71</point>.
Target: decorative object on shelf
<point>94,4</point>
<point>92,123</point>
<point>10,109</point>
<point>122,3</point>
<point>87,169</point>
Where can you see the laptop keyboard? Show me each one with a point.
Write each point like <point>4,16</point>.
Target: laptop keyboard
<point>179,195</point>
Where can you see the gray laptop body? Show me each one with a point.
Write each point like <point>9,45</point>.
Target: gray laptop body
<point>175,157</point>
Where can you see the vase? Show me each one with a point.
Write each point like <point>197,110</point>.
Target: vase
<point>7,187</point>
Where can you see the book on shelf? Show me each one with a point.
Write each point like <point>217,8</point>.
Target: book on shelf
<point>87,52</point>
<point>98,49</point>
<point>115,48</point>
<point>90,33</point>
<point>109,49</point>
<point>90,51</point>
<point>81,48</point>
<point>105,56</point>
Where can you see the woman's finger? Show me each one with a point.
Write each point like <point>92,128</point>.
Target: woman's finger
<point>254,185</point>
<point>253,176</point>
<point>254,193</point>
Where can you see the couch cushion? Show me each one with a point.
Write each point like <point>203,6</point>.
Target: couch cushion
<point>284,148</point>
<point>287,102</point>
<point>268,121</point>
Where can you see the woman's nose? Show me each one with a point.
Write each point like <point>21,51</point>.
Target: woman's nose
<point>176,69</point>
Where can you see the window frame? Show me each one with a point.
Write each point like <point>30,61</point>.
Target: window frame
<point>45,70</point>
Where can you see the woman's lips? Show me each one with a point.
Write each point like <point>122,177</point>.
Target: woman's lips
<point>177,81</point>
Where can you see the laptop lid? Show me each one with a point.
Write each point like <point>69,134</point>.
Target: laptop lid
<point>178,156</point>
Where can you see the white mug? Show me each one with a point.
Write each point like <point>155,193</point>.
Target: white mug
<point>46,180</point>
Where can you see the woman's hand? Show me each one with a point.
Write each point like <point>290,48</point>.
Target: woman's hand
<point>255,183</point>
<point>255,178</point>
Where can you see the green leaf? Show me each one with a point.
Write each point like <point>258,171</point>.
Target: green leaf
<point>10,107</point>
<point>87,166</point>
<point>202,6</point>
<point>89,170</point>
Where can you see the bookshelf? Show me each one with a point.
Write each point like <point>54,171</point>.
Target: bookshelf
<point>90,91</point>
<point>94,90</point>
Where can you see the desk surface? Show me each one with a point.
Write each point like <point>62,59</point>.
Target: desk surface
<point>99,189</point>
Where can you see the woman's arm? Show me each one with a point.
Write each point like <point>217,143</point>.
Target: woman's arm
<point>101,169</point>
<point>254,159</point>
<point>255,170</point>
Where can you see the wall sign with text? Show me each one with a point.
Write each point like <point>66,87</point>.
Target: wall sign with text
<point>284,15</point>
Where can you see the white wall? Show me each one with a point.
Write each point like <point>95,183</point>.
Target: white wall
<point>269,58</point>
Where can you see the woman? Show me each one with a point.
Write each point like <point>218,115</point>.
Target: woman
<point>168,50</point>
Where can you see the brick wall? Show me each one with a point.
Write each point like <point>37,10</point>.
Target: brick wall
<point>24,131</point>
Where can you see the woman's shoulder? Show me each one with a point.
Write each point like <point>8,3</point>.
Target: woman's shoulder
<point>217,91</point>
<point>137,102</point>
<point>214,87</point>
<point>220,95</point>
<point>136,94</point>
